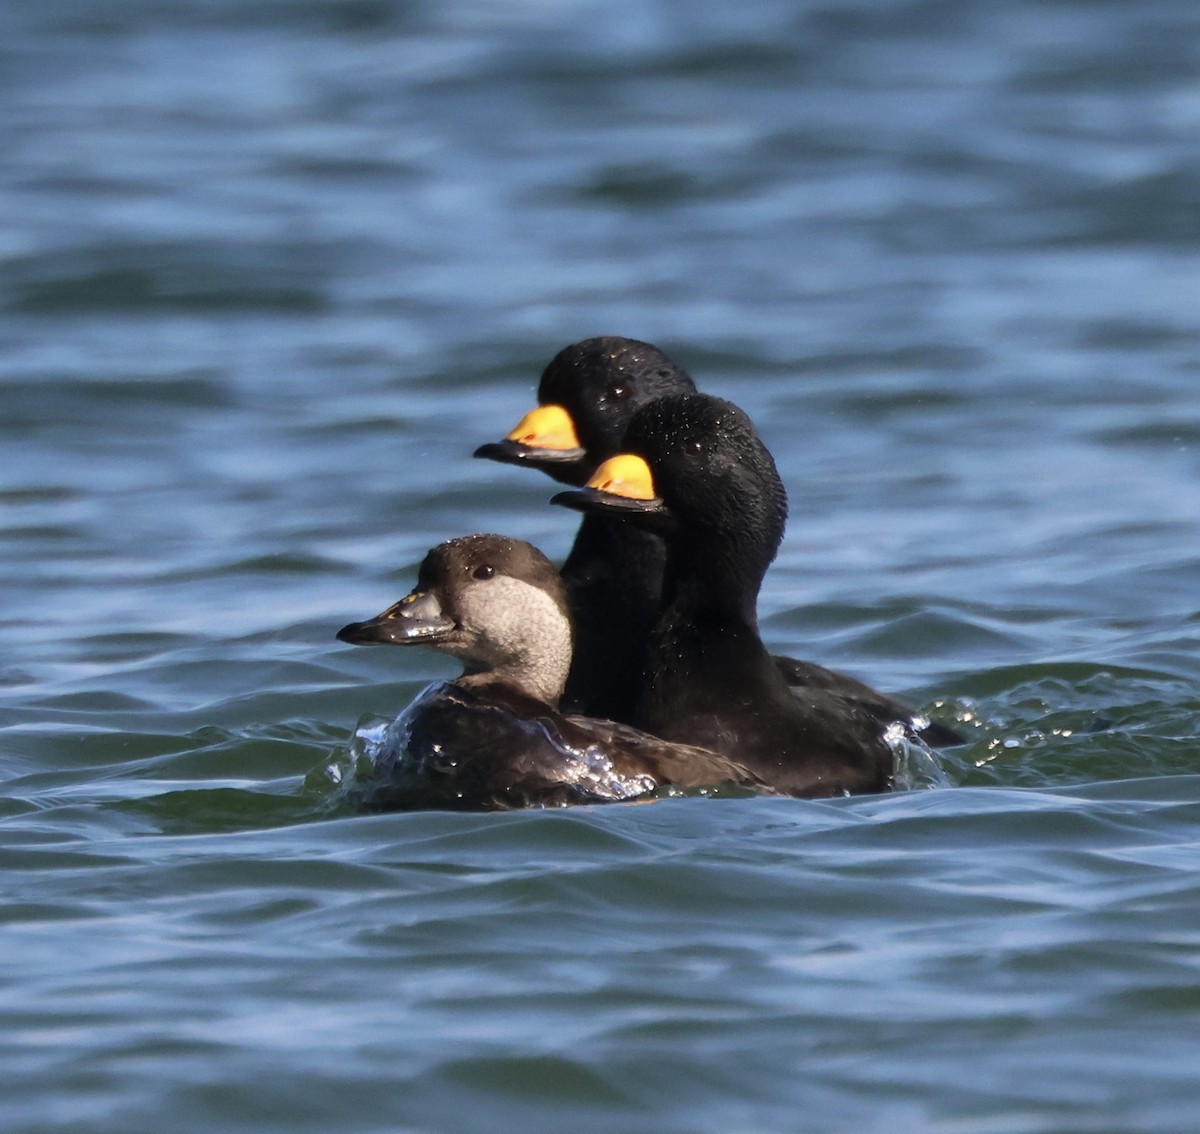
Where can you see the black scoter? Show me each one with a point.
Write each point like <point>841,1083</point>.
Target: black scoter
<point>587,397</point>
<point>493,738</point>
<point>696,471</point>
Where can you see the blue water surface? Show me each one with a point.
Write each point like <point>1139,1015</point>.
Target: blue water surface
<point>272,270</point>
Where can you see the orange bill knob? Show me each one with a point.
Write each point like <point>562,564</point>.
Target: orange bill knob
<point>547,427</point>
<point>624,475</point>
<point>544,438</point>
<point>621,486</point>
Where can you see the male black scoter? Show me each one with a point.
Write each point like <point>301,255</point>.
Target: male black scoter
<point>695,471</point>
<point>613,574</point>
<point>587,396</point>
<point>493,738</point>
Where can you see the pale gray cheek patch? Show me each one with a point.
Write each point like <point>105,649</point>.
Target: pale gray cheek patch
<point>518,628</point>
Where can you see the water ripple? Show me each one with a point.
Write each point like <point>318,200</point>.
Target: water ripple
<point>275,270</point>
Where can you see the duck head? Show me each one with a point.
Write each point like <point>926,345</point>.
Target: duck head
<point>694,469</point>
<point>496,604</point>
<point>587,397</point>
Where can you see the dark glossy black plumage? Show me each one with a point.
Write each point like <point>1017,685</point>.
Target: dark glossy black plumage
<point>494,738</point>
<point>613,573</point>
<point>614,570</point>
<point>710,680</point>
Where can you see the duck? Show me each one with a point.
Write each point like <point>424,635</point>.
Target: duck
<point>493,738</point>
<point>694,470</point>
<point>587,396</point>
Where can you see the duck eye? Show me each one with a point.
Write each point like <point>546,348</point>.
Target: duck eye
<point>484,572</point>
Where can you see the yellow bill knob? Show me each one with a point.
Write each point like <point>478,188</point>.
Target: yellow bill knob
<point>547,427</point>
<point>624,475</point>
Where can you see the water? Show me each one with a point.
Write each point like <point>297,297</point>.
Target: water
<point>273,270</point>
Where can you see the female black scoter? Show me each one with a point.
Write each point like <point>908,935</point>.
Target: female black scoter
<point>587,397</point>
<point>493,739</point>
<point>696,471</point>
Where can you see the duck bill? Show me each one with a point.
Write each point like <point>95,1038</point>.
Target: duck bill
<point>543,437</point>
<point>415,619</point>
<point>622,485</point>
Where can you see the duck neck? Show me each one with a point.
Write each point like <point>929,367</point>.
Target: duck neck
<point>527,643</point>
<point>717,580</point>
<point>541,679</point>
<point>707,630</point>
<point>613,578</point>
<point>618,554</point>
